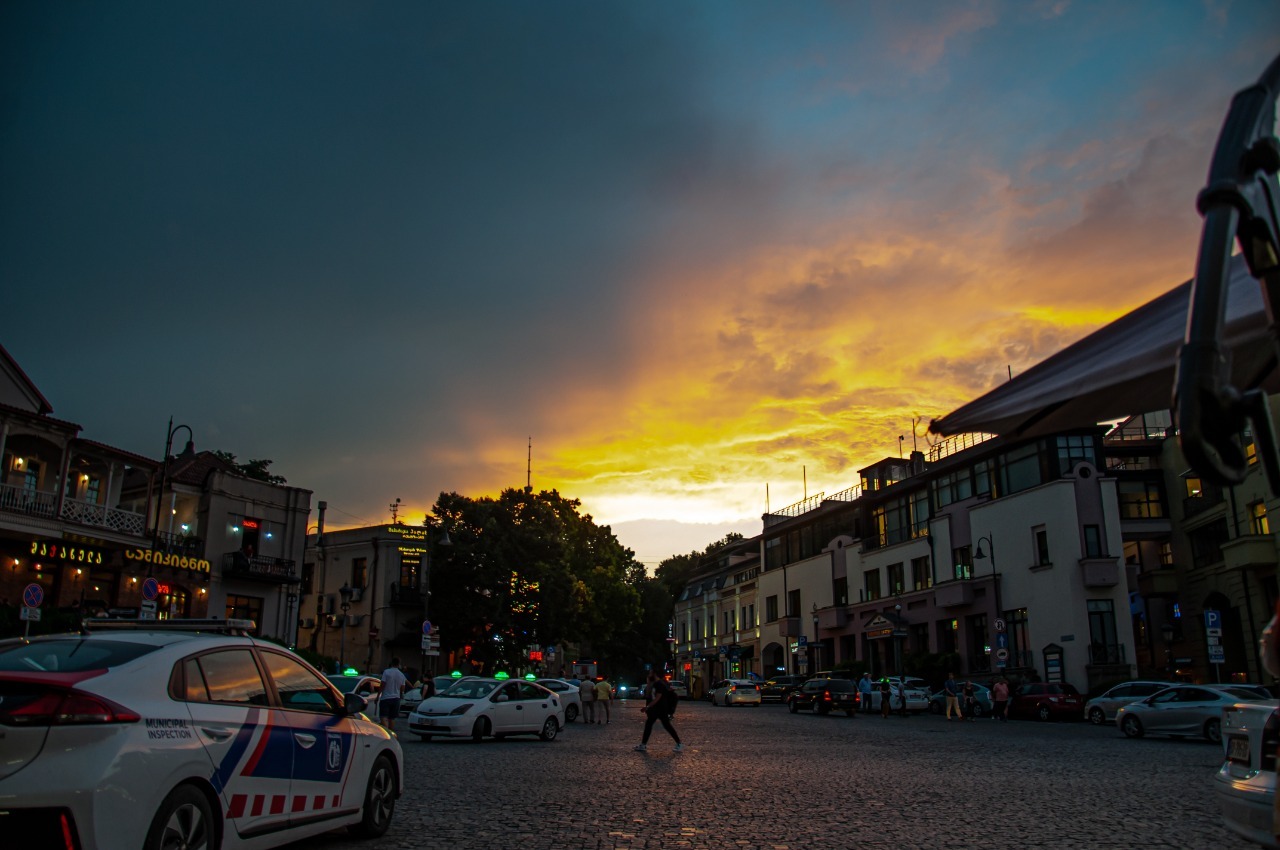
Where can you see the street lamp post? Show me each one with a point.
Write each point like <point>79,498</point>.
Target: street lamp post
<point>897,639</point>
<point>164,466</point>
<point>345,593</point>
<point>995,576</point>
<point>817,645</point>
<point>1166,632</point>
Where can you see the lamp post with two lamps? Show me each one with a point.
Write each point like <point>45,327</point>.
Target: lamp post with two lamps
<point>164,466</point>
<point>995,576</point>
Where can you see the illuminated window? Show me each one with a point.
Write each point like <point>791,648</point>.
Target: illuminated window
<point>1258,518</point>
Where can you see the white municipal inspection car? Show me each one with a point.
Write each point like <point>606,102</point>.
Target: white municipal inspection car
<point>158,734</point>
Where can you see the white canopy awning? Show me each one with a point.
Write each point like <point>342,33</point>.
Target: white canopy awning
<point>1124,368</point>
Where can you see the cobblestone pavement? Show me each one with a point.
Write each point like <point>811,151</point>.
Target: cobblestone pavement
<point>764,778</point>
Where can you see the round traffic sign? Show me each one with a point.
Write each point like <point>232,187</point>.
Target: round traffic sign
<point>32,595</point>
<point>150,589</point>
<point>1000,624</point>
<point>1002,654</point>
<point>426,627</point>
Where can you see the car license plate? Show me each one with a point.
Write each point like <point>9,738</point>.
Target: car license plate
<point>1238,750</point>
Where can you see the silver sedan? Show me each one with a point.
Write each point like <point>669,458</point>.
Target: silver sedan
<point>1183,710</point>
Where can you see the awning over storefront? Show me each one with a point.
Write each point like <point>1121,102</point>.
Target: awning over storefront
<point>1122,369</point>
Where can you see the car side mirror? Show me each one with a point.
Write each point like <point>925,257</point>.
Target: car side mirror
<point>354,704</point>
<point>501,698</point>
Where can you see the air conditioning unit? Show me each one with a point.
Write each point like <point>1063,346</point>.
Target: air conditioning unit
<point>357,593</point>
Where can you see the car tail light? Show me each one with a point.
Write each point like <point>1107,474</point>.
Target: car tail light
<point>63,707</point>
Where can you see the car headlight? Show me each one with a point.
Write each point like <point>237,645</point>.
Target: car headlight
<point>462,709</point>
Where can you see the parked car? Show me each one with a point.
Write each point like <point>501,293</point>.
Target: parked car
<point>568,694</point>
<point>1246,784</point>
<point>482,708</point>
<point>1183,710</point>
<point>729,692</point>
<point>824,696</point>
<point>1047,701</point>
<point>360,684</point>
<point>1102,708</point>
<point>917,693</point>
<point>981,700</point>
<point>679,688</point>
<point>779,688</point>
<point>624,691</point>
<point>110,733</point>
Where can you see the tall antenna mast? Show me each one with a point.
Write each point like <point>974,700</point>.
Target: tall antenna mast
<point>528,470</point>
<point>395,512</point>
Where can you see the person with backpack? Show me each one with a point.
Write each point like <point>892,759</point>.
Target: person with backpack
<point>661,705</point>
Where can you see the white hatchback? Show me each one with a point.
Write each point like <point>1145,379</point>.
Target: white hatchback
<point>483,708</point>
<point>154,734</point>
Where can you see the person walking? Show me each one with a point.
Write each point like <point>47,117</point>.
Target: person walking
<point>886,698</point>
<point>661,705</point>
<point>1000,699</point>
<point>864,692</point>
<point>587,694</point>
<point>902,697</point>
<point>953,696</point>
<point>393,685</point>
<point>970,701</point>
<point>604,694</point>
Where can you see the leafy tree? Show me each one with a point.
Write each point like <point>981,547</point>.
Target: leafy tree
<point>527,569</point>
<point>255,469</point>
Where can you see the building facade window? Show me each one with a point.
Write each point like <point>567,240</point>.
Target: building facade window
<point>840,591</point>
<point>770,609</point>
<point>919,637</point>
<point>773,553</point>
<point>244,608</point>
<point>921,575</point>
<point>1258,518</point>
<point>1019,637</point>
<point>1076,449</point>
<point>1020,470</point>
<point>962,562</point>
<point>947,640</point>
<point>896,583</point>
<point>359,572</point>
<point>1141,499</point>
<point>1040,538</point>
<point>1206,543</point>
<point>871,584</point>
<point>1104,646</point>
<point>979,651</point>
<point>308,576</point>
<point>793,603</point>
<point>1093,541</point>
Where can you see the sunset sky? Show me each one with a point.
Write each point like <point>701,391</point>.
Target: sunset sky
<point>694,250</point>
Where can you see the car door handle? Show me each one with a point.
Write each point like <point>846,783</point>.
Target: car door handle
<point>519,708</point>
<point>216,735</point>
<point>305,740</point>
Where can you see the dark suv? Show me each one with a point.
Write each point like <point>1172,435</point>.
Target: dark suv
<point>779,688</point>
<point>824,696</point>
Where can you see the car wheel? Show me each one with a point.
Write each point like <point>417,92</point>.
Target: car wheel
<point>480,730</point>
<point>1213,730</point>
<point>379,800</point>
<point>1131,727</point>
<point>570,713</point>
<point>935,708</point>
<point>1042,713</point>
<point>792,707</point>
<point>426,739</point>
<point>1097,716</point>
<point>184,819</point>
<point>549,729</point>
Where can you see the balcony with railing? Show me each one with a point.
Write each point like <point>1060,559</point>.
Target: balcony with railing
<point>1107,653</point>
<point>17,499</point>
<point>260,568</point>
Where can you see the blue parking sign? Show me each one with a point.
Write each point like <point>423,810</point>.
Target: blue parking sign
<point>1212,619</point>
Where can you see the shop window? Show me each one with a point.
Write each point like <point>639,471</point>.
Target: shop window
<point>1258,518</point>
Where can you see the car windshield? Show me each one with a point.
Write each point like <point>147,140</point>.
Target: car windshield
<point>841,685</point>
<point>473,689</point>
<point>73,655</point>
<point>345,684</point>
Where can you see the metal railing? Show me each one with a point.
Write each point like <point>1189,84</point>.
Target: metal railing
<point>1106,653</point>
<point>23,500</point>
<point>801,507</point>
<point>956,444</point>
<point>259,567</point>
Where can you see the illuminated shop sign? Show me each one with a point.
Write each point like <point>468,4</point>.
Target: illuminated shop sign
<point>56,550</point>
<point>164,559</point>
<point>407,533</point>
<point>249,522</point>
